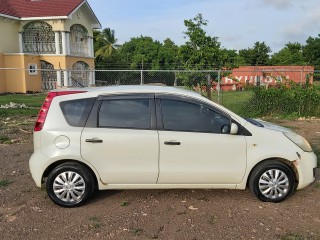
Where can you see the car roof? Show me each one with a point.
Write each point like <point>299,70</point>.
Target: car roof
<point>138,89</point>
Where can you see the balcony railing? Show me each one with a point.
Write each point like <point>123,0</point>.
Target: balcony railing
<point>39,48</point>
<point>79,49</point>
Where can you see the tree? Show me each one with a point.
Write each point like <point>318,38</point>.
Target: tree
<point>168,55</point>
<point>200,51</point>
<point>256,56</point>
<point>311,51</point>
<point>104,43</point>
<point>231,59</point>
<point>141,53</point>
<point>291,54</point>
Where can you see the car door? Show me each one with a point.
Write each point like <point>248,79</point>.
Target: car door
<point>120,139</point>
<point>193,149</point>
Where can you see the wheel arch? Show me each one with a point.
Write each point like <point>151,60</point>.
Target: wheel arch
<point>288,163</point>
<point>57,163</point>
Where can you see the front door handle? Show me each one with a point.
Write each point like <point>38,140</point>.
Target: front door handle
<point>94,140</point>
<point>174,143</point>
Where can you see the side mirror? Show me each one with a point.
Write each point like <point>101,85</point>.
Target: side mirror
<point>234,129</point>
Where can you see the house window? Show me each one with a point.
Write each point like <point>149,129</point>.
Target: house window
<point>79,42</point>
<point>32,69</point>
<point>37,38</point>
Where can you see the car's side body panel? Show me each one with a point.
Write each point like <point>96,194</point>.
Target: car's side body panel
<point>201,158</point>
<point>125,156</point>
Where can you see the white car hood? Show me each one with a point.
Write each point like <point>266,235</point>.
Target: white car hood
<point>273,126</point>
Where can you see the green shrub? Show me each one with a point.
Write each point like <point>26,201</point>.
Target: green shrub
<point>285,100</point>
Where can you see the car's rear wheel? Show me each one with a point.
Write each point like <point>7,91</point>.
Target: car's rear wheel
<point>272,181</point>
<point>70,185</point>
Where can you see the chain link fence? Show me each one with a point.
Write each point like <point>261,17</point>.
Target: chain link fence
<point>231,88</point>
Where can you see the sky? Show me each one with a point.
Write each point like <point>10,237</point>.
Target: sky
<point>237,23</point>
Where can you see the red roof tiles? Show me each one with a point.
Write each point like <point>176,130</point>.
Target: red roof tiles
<point>38,8</point>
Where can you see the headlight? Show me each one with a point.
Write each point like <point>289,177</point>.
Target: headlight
<point>299,141</point>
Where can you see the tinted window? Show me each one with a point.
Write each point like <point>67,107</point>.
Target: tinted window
<point>185,116</point>
<point>126,113</point>
<point>76,112</point>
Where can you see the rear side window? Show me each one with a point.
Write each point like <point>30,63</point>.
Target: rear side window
<point>76,112</point>
<point>125,113</point>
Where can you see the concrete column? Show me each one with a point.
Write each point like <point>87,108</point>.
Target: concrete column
<point>65,43</point>
<point>57,42</point>
<point>66,79</point>
<point>58,79</point>
<point>91,48</point>
<point>68,42</point>
<point>20,43</point>
<point>91,78</point>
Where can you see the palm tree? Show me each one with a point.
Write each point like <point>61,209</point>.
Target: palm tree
<point>105,43</point>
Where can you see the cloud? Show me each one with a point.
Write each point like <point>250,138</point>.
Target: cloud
<point>279,4</point>
<point>306,25</point>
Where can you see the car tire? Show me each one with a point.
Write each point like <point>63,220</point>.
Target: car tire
<point>272,181</point>
<point>70,185</point>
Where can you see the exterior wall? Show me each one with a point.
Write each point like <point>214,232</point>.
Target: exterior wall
<point>79,17</point>
<point>73,60</point>
<point>15,79</point>
<point>33,82</point>
<point>265,75</point>
<point>19,79</point>
<point>3,83</point>
<point>9,35</point>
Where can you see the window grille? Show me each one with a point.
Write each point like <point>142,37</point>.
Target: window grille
<point>80,74</point>
<point>79,40</point>
<point>37,38</point>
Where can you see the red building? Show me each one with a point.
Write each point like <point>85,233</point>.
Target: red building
<point>265,76</point>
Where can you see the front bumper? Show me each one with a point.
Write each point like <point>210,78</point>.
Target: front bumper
<point>306,169</point>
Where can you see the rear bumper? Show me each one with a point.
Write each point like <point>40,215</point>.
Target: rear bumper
<point>37,166</point>
<point>306,169</point>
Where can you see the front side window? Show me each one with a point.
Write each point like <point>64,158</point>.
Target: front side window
<point>125,113</point>
<point>190,117</point>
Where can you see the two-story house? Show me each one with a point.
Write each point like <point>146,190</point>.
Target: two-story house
<point>46,44</point>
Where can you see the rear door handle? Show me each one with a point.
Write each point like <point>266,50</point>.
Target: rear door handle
<point>94,140</point>
<point>172,143</point>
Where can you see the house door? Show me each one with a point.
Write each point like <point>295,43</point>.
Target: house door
<point>48,76</point>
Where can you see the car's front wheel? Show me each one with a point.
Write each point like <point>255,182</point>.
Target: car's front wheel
<point>272,181</point>
<point>70,185</point>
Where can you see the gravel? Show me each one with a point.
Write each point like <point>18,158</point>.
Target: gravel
<point>27,213</point>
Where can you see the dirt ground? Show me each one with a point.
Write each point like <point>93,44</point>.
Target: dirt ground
<point>27,213</point>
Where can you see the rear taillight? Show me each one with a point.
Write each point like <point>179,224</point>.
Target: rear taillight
<point>46,105</point>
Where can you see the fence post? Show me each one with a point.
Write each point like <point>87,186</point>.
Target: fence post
<point>141,80</point>
<point>208,87</point>
<point>175,79</point>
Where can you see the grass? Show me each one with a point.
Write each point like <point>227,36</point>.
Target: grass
<point>137,231</point>
<point>124,204</point>
<point>5,140</point>
<point>235,101</point>
<point>293,237</point>
<point>33,102</point>
<point>4,183</point>
<point>95,222</point>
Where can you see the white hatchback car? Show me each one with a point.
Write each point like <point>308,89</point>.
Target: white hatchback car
<point>134,137</point>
